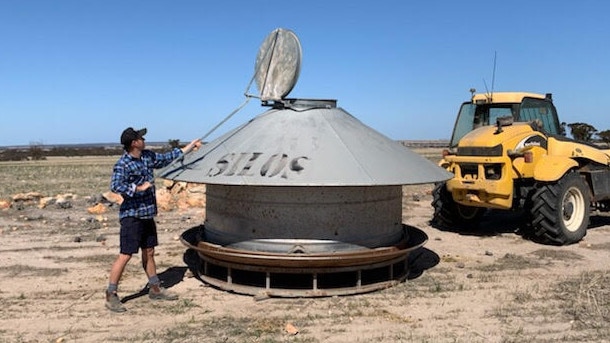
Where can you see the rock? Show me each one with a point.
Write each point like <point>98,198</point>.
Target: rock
<point>291,329</point>
<point>178,187</point>
<point>488,253</point>
<point>63,203</point>
<point>46,201</point>
<point>164,200</point>
<point>27,196</point>
<point>195,201</point>
<point>4,204</point>
<point>97,209</point>
<point>168,183</point>
<point>197,189</point>
<point>77,239</point>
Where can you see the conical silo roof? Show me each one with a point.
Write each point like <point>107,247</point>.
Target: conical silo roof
<point>304,143</point>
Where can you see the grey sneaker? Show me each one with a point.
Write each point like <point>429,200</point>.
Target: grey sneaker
<point>113,303</point>
<point>163,294</point>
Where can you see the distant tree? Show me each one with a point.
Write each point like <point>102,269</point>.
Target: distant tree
<point>604,136</point>
<point>13,155</point>
<point>36,152</point>
<point>582,131</point>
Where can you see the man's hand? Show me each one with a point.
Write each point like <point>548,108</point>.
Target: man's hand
<point>195,144</point>
<point>141,188</point>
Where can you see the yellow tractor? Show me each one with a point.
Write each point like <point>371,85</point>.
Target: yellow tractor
<point>508,152</point>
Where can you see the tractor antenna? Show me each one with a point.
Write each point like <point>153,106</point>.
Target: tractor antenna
<point>489,94</point>
<point>493,75</point>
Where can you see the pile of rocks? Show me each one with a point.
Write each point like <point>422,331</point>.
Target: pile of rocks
<point>22,200</point>
<point>171,196</point>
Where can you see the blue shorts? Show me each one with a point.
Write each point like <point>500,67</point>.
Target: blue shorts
<point>137,233</point>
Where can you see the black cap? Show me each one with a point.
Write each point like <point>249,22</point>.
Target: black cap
<point>129,135</point>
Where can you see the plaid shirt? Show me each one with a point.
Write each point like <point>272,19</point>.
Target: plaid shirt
<point>129,172</point>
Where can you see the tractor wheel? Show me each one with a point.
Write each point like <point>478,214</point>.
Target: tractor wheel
<point>449,214</point>
<point>560,211</point>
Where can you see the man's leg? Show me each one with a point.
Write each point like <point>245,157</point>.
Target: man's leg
<point>150,241</point>
<point>117,268</point>
<point>156,292</point>
<point>116,271</point>
<point>150,267</point>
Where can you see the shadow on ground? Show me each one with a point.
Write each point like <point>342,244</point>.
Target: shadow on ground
<point>169,278</point>
<point>493,223</point>
<point>497,222</point>
<point>421,260</point>
<point>599,220</point>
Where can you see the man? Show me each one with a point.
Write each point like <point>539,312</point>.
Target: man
<point>133,178</point>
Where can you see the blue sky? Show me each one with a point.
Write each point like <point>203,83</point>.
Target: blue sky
<point>80,71</point>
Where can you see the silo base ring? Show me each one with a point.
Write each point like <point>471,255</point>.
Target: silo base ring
<point>301,275</point>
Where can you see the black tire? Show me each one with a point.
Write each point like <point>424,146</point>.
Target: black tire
<point>560,210</point>
<point>449,214</point>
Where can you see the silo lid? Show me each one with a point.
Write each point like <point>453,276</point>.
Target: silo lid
<point>304,143</point>
<point>278,64</point>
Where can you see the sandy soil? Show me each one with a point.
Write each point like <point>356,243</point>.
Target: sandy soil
<point>487,286</point>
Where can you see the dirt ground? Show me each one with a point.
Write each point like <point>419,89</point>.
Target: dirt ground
<point>490,285</point>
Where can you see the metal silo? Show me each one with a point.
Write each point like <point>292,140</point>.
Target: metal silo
<point>304,199</point>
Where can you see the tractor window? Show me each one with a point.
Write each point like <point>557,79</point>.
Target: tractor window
<point>473,116</point>
<point>464,123</point>
<point>497,112</point>
<point>532,109</point>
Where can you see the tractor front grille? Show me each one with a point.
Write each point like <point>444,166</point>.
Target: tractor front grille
<point>480,151</point>
<point>490,171</point>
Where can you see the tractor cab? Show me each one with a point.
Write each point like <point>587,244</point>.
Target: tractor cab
<point>486,108</point>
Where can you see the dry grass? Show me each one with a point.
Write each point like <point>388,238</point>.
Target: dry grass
<point>582,300</point>
<point>511,262</point>
<point>77,175</point>
<point>587,300</point>
<point>556,255</point>
<point>230,329</point>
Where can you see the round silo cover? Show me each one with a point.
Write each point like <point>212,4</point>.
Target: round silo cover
<point>278,64</point>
